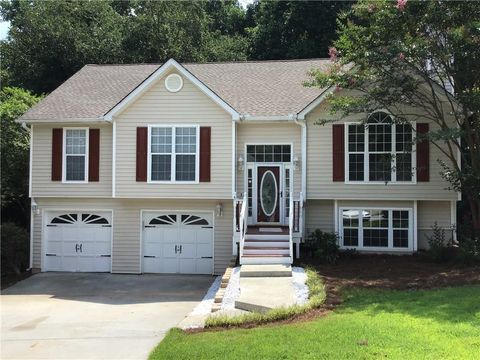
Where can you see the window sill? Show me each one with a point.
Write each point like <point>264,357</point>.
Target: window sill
<point>174,182</point>
<point>381,182</point>
<point>74,182</point>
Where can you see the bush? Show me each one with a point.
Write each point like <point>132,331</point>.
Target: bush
<point>323,246</point>
<point>15,249</point>
<point>468,246</point>
<point>439,250</point>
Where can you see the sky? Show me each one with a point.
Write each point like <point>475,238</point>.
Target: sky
<point>4,25</point>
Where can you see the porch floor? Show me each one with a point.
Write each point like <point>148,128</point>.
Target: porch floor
<point>268,230</point>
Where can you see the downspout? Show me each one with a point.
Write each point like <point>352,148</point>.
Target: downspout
<point>32,200</point>
<point>303,125</point>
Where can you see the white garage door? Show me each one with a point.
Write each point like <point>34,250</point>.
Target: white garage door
<point>178,242</point>
<point>78,241</point>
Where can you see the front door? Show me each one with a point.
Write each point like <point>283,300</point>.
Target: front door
<point>268,194</point>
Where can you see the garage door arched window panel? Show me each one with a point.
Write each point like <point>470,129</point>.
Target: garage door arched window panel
<point>164,220</point>
<point>85,218</point>
<point>65,219</point>
<point>193,220</point>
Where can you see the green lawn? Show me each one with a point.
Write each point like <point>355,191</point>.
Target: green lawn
<point>427,324</point>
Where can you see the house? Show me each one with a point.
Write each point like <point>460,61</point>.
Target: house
<point>173,168</point>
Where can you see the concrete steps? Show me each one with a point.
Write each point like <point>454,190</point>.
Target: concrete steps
<point>270,270</point>
<point>266,246</point>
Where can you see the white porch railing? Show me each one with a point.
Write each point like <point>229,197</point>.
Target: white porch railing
<point>242,223</point>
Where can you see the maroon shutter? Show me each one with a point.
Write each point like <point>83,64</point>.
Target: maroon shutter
<point>93,154</point>
<point>338,136</point>
<point>423,154</point>
<point>142,143</point>
<point>205,143</point>
<point>57,154</point>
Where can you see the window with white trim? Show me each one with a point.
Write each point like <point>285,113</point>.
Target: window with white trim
<point>173,154</point>
<point>75,155</point>
<point>379,151</point>
<point>376,229</point>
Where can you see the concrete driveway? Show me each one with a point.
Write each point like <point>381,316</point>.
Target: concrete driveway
<point>94,316</point>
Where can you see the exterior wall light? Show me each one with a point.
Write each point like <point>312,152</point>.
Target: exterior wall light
<point>219,210</point>
<point>240,162</point>
<point>296,162</point>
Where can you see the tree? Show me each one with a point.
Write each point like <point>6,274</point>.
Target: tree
<point>293,29</point>
<point>49,41</point>
<point>414,54</point>
<point>15,155</point>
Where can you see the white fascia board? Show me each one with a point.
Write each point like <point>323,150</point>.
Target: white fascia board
<point>301,115</point>
<point>147,83</point>
<point>290,117</point>
<point>63,120</point>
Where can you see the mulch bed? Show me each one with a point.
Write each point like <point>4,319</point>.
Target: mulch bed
<point>390,272</point>
<point>409,272</point>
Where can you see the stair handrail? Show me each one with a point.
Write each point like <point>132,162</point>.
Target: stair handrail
<point>300,215</point>
<point>243,223</point>
<point>291,227</point>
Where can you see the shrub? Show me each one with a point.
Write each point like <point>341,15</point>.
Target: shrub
<point>15,249</point>
<point>440,250</point>
<point>468,246</point>
<point>323,246</point>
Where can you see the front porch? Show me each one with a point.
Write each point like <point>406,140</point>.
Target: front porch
<point>258,244</point>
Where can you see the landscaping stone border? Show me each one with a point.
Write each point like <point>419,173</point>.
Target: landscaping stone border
<point>217,303</point>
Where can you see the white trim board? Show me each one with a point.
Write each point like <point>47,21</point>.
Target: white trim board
<point>157,74</point>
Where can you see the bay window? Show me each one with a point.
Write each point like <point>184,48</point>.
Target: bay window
<point>379,151</point>
<point>173,154</point>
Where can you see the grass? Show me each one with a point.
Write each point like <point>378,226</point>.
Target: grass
<point>371,324</point>
<point>316,298</point>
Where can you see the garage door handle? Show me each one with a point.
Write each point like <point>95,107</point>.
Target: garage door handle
<point>148,256</point>
<point>106,225</point>
<point>51,254</point>
<point>104,255</point>
<point>207,227</point>
<point>51,225</point>
<point>206,257</point>
<point>149,226</point>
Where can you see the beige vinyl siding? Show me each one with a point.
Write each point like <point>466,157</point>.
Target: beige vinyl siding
<point>319,170</point>
<point>319,214</point>
<point>430,212</point>
<point>269,133</point>
<point>127,226</point>
<point>42,185</point>
<point>157,106</point>
<point>36,241</point>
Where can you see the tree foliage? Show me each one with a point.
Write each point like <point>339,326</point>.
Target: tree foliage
<point>408,56</point>
<point>15,154</point>
<point>293,29</point>
<point>49,41</point>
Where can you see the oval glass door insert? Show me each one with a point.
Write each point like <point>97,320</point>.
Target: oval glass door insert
<point>268,193</point>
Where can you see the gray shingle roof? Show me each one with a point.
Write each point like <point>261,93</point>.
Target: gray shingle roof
<point>257,88</point>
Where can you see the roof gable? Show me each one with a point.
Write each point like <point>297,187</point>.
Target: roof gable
<point>154,77</point>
